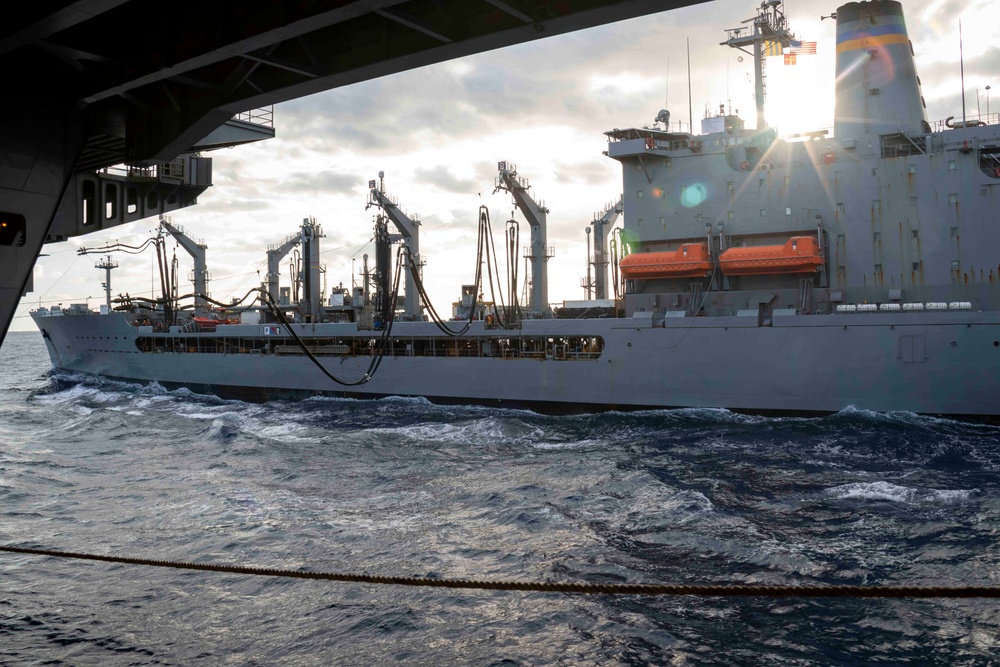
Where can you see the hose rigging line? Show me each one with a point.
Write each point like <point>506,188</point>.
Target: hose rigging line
<point>494,268</point>
<point>381,345</point>
<point>220,303</point>
<point>484,219</point>
<point>435,318</point>
<point>207,298</point>
<point>288,327</point>
<point>485,248</point>
<point>513,242</point>
<point>709,590</point>
<point>116,247</point>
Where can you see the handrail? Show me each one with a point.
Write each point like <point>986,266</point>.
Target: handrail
<point>263,116</point>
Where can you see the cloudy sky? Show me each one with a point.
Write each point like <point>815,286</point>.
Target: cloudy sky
<point>438,133</point>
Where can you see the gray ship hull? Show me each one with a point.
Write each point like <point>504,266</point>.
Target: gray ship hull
<point>940,363</point>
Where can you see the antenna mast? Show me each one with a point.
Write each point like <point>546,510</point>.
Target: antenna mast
<point>769,32</point>
<point>961,64</point>
<point>690,113</point>
<point>107,264</point>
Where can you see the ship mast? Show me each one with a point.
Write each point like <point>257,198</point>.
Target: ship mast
<point>107,264</point>
<point>768,36</point>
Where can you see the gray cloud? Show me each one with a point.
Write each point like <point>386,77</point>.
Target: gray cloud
<point>323,181</point>
<point>233,205</point>
<point>589,173</point>
<point>441,178</point>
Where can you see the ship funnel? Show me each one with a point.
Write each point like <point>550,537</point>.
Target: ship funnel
<point>877,87</point>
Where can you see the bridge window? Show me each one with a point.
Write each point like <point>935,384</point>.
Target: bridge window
<point>88,205</point>
<point>110,201</point>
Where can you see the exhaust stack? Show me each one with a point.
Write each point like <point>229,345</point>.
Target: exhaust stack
<point>878,91</point>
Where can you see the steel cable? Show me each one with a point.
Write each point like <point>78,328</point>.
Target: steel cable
<point>710,590</point>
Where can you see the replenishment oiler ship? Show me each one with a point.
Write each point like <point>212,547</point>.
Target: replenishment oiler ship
<point>859,269</point>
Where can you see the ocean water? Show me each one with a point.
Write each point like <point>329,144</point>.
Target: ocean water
<point>401,487</point>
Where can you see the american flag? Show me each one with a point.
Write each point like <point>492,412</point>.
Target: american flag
<point>804,49</point>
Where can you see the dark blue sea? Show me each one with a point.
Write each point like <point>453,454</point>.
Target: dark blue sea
<point>401,487</point>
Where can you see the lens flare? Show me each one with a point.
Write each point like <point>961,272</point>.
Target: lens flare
<point>629,239</point>
<point>693,195</point>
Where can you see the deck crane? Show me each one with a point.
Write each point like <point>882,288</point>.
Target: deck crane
<point>196,249</point>
<point>539,253</point>
<point>602,224</point>
<point>409,233</point>
<point>310,274</point>
<point>276,253</point>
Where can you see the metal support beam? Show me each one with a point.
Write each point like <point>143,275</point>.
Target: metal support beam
<point>37,163</point>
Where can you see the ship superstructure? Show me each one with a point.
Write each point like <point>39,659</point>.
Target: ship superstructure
<point>753,273</point>
<point>888,213</point>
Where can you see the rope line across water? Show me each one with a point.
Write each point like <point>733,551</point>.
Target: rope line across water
<point>548,587</point>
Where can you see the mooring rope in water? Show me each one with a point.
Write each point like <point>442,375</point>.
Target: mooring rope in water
<point>551,587</point>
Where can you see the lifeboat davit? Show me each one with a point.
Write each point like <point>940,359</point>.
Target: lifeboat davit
<point>691,260</point>
<point>800,254</point>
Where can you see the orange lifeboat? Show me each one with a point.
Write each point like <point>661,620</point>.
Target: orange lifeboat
<point>800,254</point>
<point>691,260</point>
<point>206,324</point>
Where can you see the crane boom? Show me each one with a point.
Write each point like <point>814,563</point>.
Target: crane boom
<point>275,254</point>
<point>197,251</point>
<point>535,213</point>
<point>602,229</point>
<point>409,233</point>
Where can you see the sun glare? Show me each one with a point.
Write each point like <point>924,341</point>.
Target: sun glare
<point>800,97</point>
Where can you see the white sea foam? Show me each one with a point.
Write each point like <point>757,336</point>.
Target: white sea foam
<point>572,444</point>
<point>206,415</point>
<point>895,493</point>
<point>66,396</point>
<point>478,432</point>
<point>287,432</point>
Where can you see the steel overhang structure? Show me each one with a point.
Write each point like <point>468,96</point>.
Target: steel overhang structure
<point>94,83</point>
